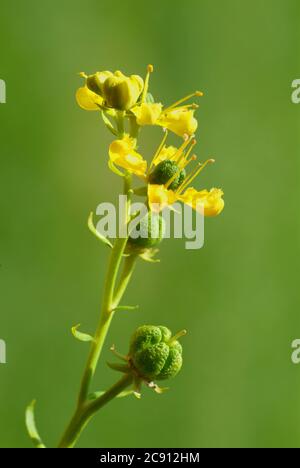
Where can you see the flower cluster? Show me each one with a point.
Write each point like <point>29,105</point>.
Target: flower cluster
<point>166,177</point>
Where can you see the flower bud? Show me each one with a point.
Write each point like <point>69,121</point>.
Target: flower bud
<point>122,92</point>
<point>95,82</point>
<point>149,232</point>
<point>154,353</point>
<point>164,172</point>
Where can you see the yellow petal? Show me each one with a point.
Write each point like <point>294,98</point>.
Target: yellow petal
<point>180,121</point>
<point>88,100</point>
<point>147,113</point>
<point>122,153</point>
<point>159,197</point>
<point>210,201</point>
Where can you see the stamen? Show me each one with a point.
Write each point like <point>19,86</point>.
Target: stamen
<point>159,149</point>
<point>186,155</point>
<point>181,101</point>
<point>186,107</point>
<point>150,70</point>
<point>180,151</point>
<point>187,162</point>
<point>189,179</point>
<point>193,143</point>
<point>181,166</point>
<point>182,156</point>
<point>83,75</point>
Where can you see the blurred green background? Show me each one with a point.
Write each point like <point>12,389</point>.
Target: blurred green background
<point>238,296</point>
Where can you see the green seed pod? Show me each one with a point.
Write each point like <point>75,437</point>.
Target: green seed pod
<point>149,232</point>
<point>164,172</point>
<point>154,353</point>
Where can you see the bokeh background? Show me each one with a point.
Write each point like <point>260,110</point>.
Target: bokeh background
<point>238,296</point>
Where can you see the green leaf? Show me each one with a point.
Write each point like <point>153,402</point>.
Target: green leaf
<point>81,336</point>
<point>119,367</point>
<point>115,170</point>
<point>95,395</point>
<point>127,307</point>
<point>94,231</point>
<point>31,427</point>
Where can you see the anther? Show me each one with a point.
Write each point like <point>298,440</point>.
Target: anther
<point>189,179</point>
<point>150,68</point>
<point>159,149</point>
<point>181,101</point>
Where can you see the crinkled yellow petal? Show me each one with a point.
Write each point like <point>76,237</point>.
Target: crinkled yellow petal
<point>88,100</point>
<point>147,113</point>
<point>180,121</point>
<point>122,153</point>
<point>210,201</point>
<point>159,197</point>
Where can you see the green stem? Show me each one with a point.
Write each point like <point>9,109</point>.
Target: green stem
<point>111,299</point>
<point>129,265</point>
<point>83,415</point>
<point>120,121</point>
<point>105,318</point>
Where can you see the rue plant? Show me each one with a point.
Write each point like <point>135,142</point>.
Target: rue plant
<point>125,106</point>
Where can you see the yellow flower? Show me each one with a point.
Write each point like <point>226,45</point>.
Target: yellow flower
<point>147,113</point>
<point>168,182</point>
<point>122,153</point>
<point>110,90</point>
<point>180,121</point>
<point>178,118</point>
<point>210,202</point>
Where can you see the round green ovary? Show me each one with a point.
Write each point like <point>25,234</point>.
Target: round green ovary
<point>151,360</point>
<point>153,354</point>
<point>164,172</point>
<point>150,231</point>
<point>172,365</point>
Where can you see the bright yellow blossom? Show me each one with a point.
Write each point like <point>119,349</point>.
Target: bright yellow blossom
<point>147,113</point>
<point>180,121</point>
<point>179,118</point>
<point>169,167</point>
<point>210,202</point>
<point>110,90</point>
